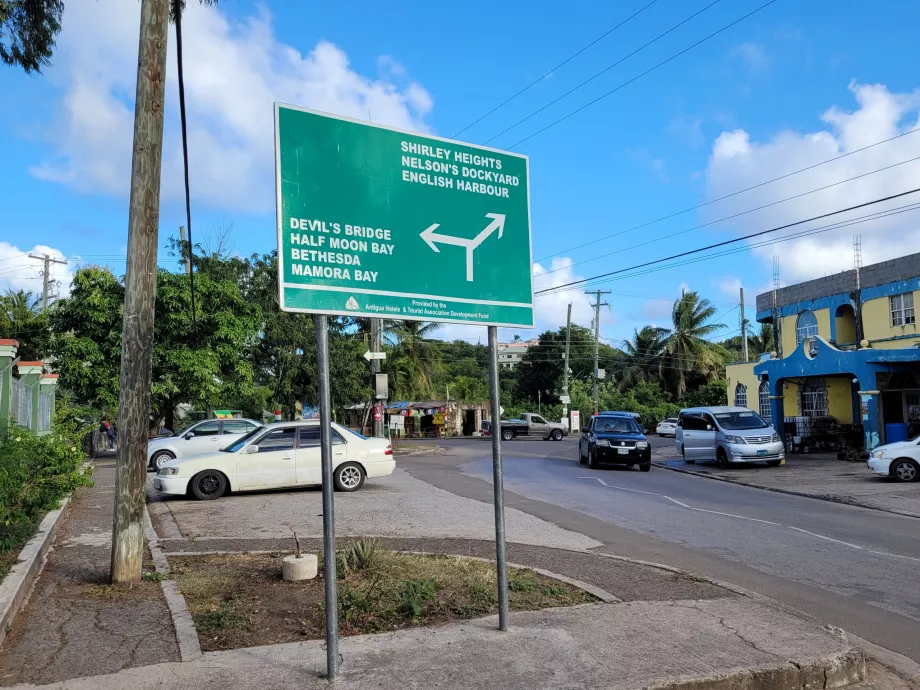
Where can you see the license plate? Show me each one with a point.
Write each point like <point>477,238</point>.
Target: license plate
<point>761,452</point>
<point>623,451</point>
<point>157,485</point>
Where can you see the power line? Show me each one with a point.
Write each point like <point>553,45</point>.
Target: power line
<point>734,215</point>
<point>728,196</point>
<point>561,64</point>
<point>805,233</point>
<point>639,76</point>
<point>603,71</point>
<point>739,239</point>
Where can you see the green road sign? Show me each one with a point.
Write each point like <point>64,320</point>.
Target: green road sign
<point>374,221</point>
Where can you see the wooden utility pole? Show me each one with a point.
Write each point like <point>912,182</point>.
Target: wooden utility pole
<point>744,342</point>
<point>597,336</point>
<point>140,293</point>
<point>46,275</point>
<point>186,256</point>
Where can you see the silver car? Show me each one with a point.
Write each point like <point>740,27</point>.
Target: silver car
<point>727,435</point>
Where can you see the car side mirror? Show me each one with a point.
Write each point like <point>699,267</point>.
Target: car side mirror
<point>709,427</point>
<point>189,436</point>
<point>252,449</point>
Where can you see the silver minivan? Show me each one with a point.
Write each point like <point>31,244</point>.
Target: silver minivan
<point>727,435</point>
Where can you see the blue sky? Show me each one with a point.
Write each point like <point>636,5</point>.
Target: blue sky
<point>793,85</point>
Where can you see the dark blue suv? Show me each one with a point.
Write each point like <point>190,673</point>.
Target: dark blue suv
<point>614,438</point>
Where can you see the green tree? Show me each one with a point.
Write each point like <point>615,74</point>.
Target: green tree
<point>22,320</point>
<point>687,350</point>
<point>27,32</point>
<point>762,342</point>
<point>642,357</point>
<point>707,395</point>
<point>201,363</point>
<point>415,360</point>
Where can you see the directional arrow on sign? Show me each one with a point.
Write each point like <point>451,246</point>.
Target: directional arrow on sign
<point>369,356</point>
<point>433,239</point>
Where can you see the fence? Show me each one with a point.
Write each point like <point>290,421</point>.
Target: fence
<point>21,407</point>
<point>45,403</point>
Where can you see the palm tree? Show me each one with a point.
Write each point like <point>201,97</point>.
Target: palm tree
<point>420,358</point>
<point>642,357</point>
<point>763,341</point>
<point>686,346</point>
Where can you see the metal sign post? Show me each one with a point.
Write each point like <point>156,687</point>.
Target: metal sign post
<point>325,438</point>
<point>498,487</point>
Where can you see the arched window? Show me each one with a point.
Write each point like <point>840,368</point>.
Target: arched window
<point>814,398</point>
<point>740,395</point>
<point>763,395</point>
<point>805,327</point>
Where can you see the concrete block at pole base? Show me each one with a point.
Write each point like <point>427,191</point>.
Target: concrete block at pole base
<point>294,568</point>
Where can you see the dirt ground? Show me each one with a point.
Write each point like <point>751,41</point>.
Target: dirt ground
<point>240,600</point>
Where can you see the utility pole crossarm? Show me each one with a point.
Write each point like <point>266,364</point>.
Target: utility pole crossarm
<point>46,274</point>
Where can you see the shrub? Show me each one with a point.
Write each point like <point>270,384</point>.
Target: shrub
<point>36,472</point>
<point>415,596</point>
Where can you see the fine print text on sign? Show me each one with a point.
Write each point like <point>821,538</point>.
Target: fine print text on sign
<point>373,221</point>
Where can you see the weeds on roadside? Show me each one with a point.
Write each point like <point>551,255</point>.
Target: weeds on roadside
<point>152,577</point>
<point>363,554</point>
<point>415,595</point>
<point>226,615</point>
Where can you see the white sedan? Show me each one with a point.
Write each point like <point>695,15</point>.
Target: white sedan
<point>277,456</point>
<point>207,436</point>
<point>667,427</point>
<point>900,461</point>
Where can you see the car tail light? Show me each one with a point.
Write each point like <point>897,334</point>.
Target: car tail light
<point>388,450</point>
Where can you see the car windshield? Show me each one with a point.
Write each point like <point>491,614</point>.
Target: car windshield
<point>618,425</point>
<point>240,442</point>
<point>183,431</point>
<point>737,421</point>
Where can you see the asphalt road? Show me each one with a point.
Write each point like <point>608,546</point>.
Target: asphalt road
<point>852,567</point>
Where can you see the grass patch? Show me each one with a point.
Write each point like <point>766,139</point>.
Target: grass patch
<point>240,600</point>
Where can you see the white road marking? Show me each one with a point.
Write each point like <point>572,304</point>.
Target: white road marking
<point>745,517</point>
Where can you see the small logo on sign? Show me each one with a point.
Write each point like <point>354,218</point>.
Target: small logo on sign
<point>352,303</point>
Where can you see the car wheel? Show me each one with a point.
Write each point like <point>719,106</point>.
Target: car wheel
<point>348,476</point>
<point>905,470</point>
<point>645,466</point>
<point>683,454</point>
<point>557,435</point>
<point>507,435</point>
<point>774,463</point>
<point>208,485</point>
<point>161,458</point>
<point>592,461</point>
<point>722,459</point>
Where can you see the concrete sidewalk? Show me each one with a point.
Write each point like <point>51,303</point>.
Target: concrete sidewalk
<point>817,475</point>
<point>721,643</point>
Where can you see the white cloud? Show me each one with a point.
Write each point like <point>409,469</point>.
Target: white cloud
<point>753,55</point>
<point>18,271</point>
<point>551,308</point>
<point>234,72</point>
<point>737,162</point>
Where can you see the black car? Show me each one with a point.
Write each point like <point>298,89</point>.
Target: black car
<point>614,438</point>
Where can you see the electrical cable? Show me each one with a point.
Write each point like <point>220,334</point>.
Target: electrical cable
<point>738,239</point>
<point>639,76</point>
<point>561,64</point>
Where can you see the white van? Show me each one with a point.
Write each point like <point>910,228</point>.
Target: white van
<point>727,435</point>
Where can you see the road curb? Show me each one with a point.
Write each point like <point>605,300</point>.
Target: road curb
<point>17,585</point>
<point>836,671</point>
<point>789,492</point>
<point>186,633</point>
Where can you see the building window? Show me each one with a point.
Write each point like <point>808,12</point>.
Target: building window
<point>740,395</point>
<point>814,398</point>
<point>806,327</point>
<point>902,309</point>
<point>763,395</point>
